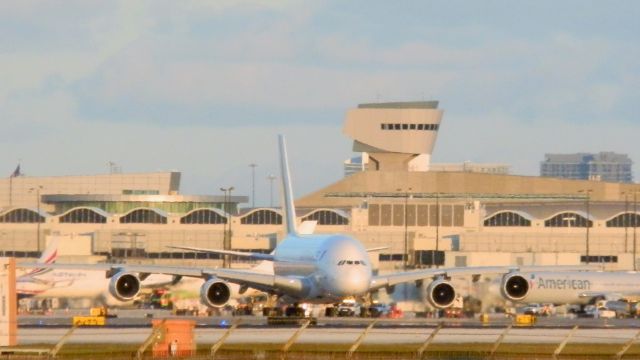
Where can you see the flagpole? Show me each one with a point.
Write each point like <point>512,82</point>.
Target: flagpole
<point>15,173</point>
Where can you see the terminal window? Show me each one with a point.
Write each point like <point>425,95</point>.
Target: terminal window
<point>428,127</point>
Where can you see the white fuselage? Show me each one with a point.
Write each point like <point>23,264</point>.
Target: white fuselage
<point>334,266</point>
<point>90,284</point>
<point>571,287</point>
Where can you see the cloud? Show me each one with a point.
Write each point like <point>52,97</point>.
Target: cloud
<point>159,84</point>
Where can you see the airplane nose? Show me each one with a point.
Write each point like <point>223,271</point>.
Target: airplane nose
<point>350,283</point>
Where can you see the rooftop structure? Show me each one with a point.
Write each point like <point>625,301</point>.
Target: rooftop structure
<point>468,166</point>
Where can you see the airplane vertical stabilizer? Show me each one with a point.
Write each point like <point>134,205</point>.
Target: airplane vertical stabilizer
<point>49,256</point>
<point>287,191</point>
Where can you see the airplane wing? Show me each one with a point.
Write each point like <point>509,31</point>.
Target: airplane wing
<point>251,255</point>
<point>377,248</point>
<point>388,280</point>
<point>611,295</point>
<point>257,280</point>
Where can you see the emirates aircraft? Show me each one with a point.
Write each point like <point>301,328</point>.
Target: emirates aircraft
<point>313,268</point>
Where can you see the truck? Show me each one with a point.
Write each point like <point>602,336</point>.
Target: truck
<point>348,307</point>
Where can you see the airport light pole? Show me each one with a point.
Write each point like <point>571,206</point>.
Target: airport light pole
<point>271,177</point>
<point>405,257</point>
<point>433,260</point>
<point>626,221</point>
<point>37,191</point>
<point>253,184</point>
<point>587,224</point>
<point>635,225</point>
<point>226,242</point>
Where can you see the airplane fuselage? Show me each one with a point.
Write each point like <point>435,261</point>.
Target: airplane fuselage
<point>571,287</point>
<point>334,266</point>
<point>61,283</point>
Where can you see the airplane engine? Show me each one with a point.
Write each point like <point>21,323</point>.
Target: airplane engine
<point>124,286</point>
<point>440,294</point>
<point>215,293</point>
<point>514,287</point>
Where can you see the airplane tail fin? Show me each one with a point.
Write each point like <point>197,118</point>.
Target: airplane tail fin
<point>287,191</point>
<point>49,256</point>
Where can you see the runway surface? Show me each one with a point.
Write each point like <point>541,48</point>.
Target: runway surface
<point>346,336</point>
<point>134,328</point>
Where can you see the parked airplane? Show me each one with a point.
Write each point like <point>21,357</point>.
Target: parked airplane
<point>570,287</point>
<point>45,282</point>
<point>315,268</point>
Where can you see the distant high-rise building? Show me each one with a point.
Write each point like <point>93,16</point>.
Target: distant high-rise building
<point>604,166</point>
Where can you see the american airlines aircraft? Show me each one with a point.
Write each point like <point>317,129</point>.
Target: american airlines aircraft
<point>570,287</point>
<point>314,268</point>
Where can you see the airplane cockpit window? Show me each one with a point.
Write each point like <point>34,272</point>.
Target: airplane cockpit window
<point>352,262</point>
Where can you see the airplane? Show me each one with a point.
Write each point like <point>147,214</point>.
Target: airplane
<point>309,268</point>
<point>570,287</point>
<point>26,284</point>
<point>44,282</point>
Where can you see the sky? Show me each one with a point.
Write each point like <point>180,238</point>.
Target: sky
<point>204,87</point>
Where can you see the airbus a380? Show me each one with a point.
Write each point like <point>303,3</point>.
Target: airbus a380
<point>317,268</point>
<point>570,287</point>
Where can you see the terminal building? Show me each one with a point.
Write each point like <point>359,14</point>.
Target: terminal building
<point>426,215</point>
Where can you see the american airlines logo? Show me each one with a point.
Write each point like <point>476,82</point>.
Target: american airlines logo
<point>560,284</point>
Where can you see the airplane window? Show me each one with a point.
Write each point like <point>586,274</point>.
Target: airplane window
<point>420,126</point>
<point>357,262</point>
<point>363,263</point>
<point>349,262</point>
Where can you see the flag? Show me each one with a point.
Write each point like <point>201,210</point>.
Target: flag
<point>16,172</point>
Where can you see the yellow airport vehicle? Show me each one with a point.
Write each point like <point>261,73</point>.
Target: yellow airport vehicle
<point>484,318</point>
<point>525,319</point>
<point>89,320</point>
<point>98,311</point>
<point>97,317</point>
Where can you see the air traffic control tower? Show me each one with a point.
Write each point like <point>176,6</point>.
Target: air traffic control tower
<point>394,136</point>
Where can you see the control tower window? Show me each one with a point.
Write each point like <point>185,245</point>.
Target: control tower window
<point>427,127</point>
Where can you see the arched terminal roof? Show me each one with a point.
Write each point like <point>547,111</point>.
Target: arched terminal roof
<point>144,216</point>
<point>205,216</point>
<point>84,214</point>
<point>23,215</point>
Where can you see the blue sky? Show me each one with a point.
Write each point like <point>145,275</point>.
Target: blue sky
<point>204,87</point>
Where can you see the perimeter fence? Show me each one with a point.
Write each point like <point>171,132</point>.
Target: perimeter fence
<point>306,342</point>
